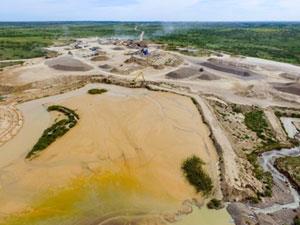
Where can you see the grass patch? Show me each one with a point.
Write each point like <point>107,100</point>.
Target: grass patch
<point>13,63</point>
<point>290,166</point>
<point>194,173</point>
<point>265,177</point>
<point>276,41</point>
<point>256,121</point>
<point>57,130</point>
<point>97,91</point>
<point>297,221</point>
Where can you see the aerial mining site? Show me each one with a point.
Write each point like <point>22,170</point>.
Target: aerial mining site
<point>109,131</point>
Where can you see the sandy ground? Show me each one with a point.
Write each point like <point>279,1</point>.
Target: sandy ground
<point>225,87</point>
<point>131,132</point>
<point>11,121</point>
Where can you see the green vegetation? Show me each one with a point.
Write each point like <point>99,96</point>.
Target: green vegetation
<point>12,63</point>
<point>215,204</point>
<point>255,121</point>
<point>291,167</point>
<point>265,177</point>
<point>97,91</point>
<point>55,131</point>
<point>276,41</point>
<point>287,114</point>
<point>194,173</point>
<point>297,221</point>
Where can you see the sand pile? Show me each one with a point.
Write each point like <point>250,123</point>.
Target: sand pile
<point>68,63</point>
<point>106,67</point>
<point>100,58</point>
<point>208,76</point>
<point>236,69</point>
<point>118,49</point>
<point>183,73</point>
<point>191,72</point>
<point>157,60</point>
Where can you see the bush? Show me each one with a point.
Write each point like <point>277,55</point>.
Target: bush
<point>194,173</point>
<point>215,204</point>
<point>256,122</point>
<point>97,91</point>
<point>57,130</point>
<point>297,221</point>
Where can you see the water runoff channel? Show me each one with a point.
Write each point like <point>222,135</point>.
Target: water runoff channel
<point>267,161</point>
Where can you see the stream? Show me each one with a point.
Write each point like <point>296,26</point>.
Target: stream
<point>267,161</point>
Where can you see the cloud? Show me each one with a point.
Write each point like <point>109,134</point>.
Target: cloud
<point>174,10</point>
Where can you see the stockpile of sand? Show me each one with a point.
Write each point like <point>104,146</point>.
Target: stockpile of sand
<point>118,49</point>
<point>183,73</point>
<point>235,69</point>
<point>106,67</point>
<point>191,72</point>
<point>68,63</point>
<point>100,58</point>
<point>208,76</point>
<point>157,60</point>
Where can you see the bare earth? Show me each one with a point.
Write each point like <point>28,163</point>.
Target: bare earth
<point>146,135</point>
<point>129,133</point>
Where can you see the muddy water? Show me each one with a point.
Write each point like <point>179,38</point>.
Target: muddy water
<point>267,162</point>
<point>37,119</point>
<point>205,216</point>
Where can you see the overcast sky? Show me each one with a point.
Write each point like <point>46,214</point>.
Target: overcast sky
<point>150,10</point>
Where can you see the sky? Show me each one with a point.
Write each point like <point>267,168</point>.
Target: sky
<point>150,10</point>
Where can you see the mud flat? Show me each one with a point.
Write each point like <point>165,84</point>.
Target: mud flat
<point>11,121</point>
<point>290,88</point>
<point>128,145</point>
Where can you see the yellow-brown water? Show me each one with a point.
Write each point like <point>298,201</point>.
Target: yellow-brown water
<point>120,163</point>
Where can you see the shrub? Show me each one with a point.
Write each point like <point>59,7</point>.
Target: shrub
<point>215,204</point>
<point>97,91</point>
<point>194,173</point>
<point>57,130</point>
<point>297,221</point>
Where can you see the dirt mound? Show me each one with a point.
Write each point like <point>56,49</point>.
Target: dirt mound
<point>105,67</point>
<point>118,49</point>
<point>190,72</point>
<point>290,88</point>
<point>208,76</point>
<point>183,73</point>
<point>100,58</point>
<point>234,69</point>
<point>68,63</point>
<point>157,60</point>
